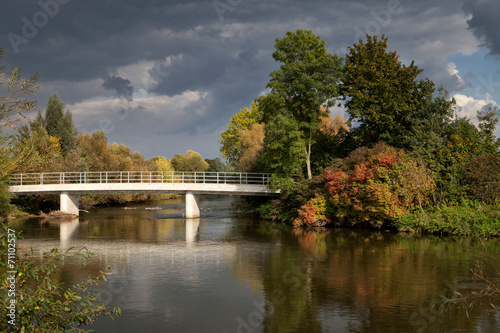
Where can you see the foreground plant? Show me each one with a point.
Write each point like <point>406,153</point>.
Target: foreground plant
<point>41,303</point>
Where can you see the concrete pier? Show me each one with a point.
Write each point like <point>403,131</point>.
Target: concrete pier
<point>69,203</point>
<point>192,209</point>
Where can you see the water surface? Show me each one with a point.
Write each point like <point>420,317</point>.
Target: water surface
<point>229,271</point>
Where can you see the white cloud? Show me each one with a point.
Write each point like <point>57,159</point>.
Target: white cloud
<point>468,106</point>
<point>148,114</point>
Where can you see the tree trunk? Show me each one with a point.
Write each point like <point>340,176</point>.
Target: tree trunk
<point>308,157</point>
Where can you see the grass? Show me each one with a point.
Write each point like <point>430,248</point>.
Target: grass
<point>465,219</point>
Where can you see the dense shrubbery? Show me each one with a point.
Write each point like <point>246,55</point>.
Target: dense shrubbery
<point>314,213</point>
<point>370,187</point>
<point>468,218</point>
<point>375,186</point>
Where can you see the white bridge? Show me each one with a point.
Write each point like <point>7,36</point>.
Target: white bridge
<point>69,185</point>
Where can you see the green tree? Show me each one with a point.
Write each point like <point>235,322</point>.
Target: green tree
<point>307,79</point>
<point>284,149</point>
<point>488,121</point>
<point>329,142</point>
<point>216,165</point>
<point>60,124</point>
<point>385,99</point>
<point>96,153</point>
<point>192,161</point>
<point>230,140</point>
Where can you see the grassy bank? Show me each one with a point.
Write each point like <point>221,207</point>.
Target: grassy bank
<point>466,219</point>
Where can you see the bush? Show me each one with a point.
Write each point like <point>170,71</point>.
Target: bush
<point>376,186</point>
<point>314,213</point>
<point>294,194</point>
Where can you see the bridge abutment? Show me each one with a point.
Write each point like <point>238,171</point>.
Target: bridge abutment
<point>192,209</point>
<point>70,203</point>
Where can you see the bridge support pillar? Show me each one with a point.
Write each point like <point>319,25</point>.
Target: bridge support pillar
<point>69,203</point>
<point>192,209</point>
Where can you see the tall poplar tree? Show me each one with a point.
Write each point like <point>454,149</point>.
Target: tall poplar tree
<point>59,123</point>
<point>307,80</point>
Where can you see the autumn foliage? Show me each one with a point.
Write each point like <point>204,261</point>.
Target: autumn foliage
<point>375,186</point>
<point>313,213</point>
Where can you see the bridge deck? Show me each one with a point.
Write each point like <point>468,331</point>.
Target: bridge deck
<point>71,184</point>
<point>140,188</point>
<point>141,182</point>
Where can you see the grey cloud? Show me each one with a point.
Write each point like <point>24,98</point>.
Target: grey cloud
<point>123,87</point>
<point>484,22</point>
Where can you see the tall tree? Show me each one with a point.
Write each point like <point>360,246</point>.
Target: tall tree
<point>385,98</point>
<point>15,100</point>
<point>59,123</point>
<point>307,79</point>
<point>283,149</point>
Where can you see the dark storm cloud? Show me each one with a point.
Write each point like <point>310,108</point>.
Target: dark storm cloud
<point>484,22</point>
<point>220,49</point>
<point>122,86</point>
<point>83,39</point>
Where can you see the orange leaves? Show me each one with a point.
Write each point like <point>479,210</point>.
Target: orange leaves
<point>362,173</point>
<point>312,213</point>
<point>376,186</point>
<point>387,159</point>
<point>335,181</point>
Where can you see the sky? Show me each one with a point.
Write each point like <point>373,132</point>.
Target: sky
<point>163,77</point>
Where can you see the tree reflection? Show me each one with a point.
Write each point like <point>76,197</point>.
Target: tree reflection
<point>366,281</point>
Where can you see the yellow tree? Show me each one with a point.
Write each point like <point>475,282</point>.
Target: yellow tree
<point>162,163</point>
<point>231,147</point>
<point>192,161</point>
<point>251,142</point>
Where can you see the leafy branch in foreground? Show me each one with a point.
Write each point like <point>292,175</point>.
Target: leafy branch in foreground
<point>482,286</point>
<point>15,93</point>
<point>42,303</point>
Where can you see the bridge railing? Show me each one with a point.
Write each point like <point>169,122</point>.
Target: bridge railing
<point>104,177</point>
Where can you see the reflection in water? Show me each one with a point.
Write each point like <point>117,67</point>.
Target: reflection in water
<point>227,272</point>
<point>66,230</point>
<point>191,231</point>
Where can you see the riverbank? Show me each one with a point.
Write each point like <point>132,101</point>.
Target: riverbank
<point>468,219</point>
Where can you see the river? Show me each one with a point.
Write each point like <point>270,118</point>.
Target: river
<point>229,271</point>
